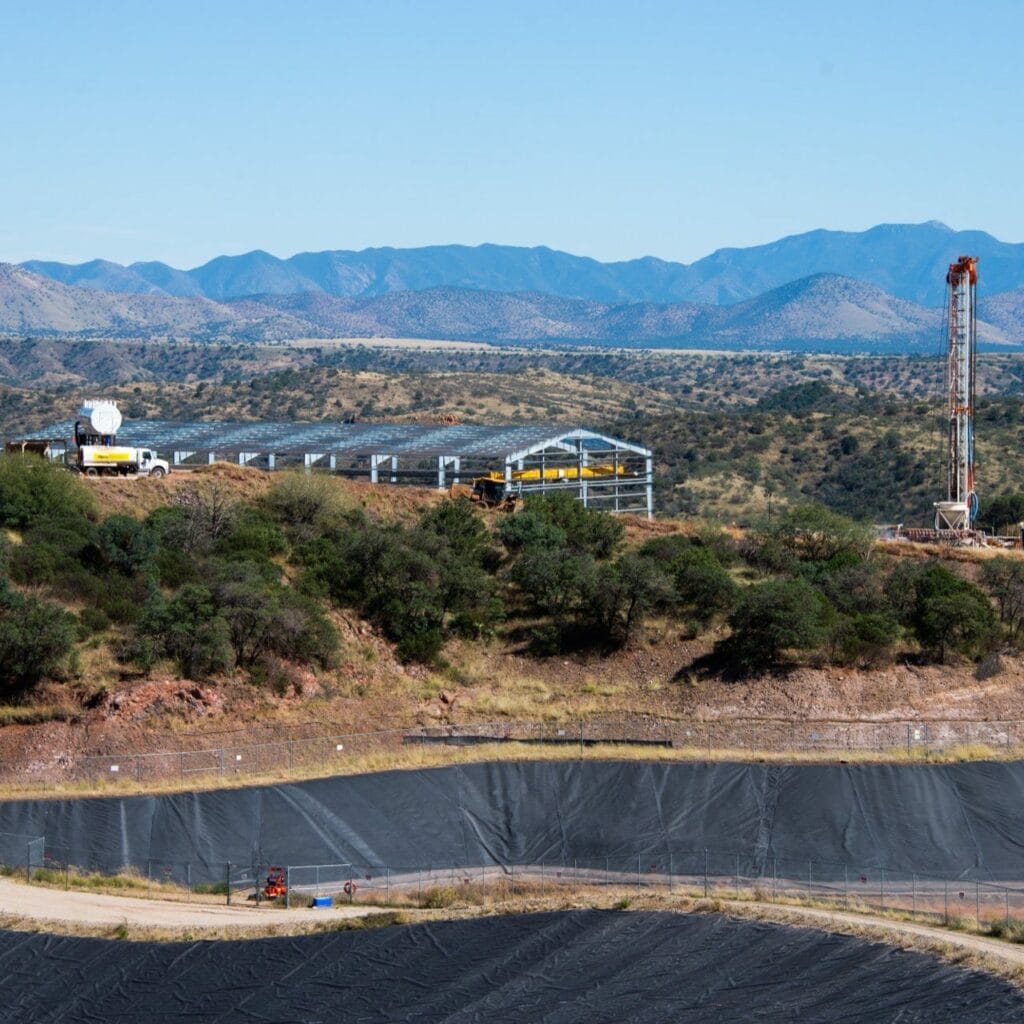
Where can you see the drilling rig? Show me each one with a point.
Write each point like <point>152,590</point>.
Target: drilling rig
<point>959,509</point>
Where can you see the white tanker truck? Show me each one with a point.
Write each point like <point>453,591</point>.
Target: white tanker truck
<point>99,454</point>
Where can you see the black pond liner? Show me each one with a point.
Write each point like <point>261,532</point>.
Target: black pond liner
<point>956,820</point>
<point>584,966</point>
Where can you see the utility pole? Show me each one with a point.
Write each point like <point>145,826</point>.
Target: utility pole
<point>959,509</point>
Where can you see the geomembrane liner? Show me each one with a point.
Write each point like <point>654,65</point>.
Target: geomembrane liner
<point>583,967</point>
<point>955,820</point>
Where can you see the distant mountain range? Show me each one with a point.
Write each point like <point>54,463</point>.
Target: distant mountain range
<point>822,312</point>
<point>906,260</point>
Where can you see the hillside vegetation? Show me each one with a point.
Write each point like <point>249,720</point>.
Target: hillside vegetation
<point>211,585</point>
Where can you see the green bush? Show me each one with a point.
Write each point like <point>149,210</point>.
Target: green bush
<point>303,499</point>
<point>774,617</point>
<point>36,638</point>
<point>703,589</point>
<point>32,488</point>
<point>125,544</point>
<point>586,530</point>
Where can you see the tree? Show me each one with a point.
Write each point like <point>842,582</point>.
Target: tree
<point>625,593</point>
<point>529,530</point>
<point>586,529</point>
<point>33,488</point>
<point>813,533</point>
<point>774,617</point>
<point>948,614</point>
<point>557,582</point>
<point>1004,579</point>
<point>961,622</point>
<point>188,629</point>
<point>35,639</point>
<point>125,544</point>
<point>702,587</point>
<point>304,499</point>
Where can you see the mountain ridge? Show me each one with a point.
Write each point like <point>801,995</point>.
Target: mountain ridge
<point>906,260</point>
<point>822,312</point>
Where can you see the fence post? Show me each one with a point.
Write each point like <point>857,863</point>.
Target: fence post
<point>913,894</point>
<point>512,873</point>
<point>227,876</point>
<point>67,873</point>
<point>882,884</point>
<point>945,900</point>
<point>977,904</point>
<point>1006,894</point>
<point>775,879</point>
<point>288,886</point>
<point>737,876</point>
<point>387,883</point>
<point>670,873</point>
<point>188,879</point>
<point>705,873</point>
<point>581,740</point>
<point>149,877</point>
<point>28,862</point>
<point>846,887</point>
<point>638,872</point>
<point>317,870</point>
<point>808,881</point>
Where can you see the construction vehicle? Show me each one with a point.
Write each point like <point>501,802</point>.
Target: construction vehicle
<point>275,884</point>
<point>493,491</point>
<point>98,451</point>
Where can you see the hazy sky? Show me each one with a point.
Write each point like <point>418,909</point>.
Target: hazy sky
<point>180,131</point>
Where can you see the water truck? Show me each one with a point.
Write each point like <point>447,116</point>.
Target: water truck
<point>99,454</point>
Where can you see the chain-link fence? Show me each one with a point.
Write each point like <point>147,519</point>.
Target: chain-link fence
<point>742,735</point>
<point>593,737</point>
<point>924,896</point>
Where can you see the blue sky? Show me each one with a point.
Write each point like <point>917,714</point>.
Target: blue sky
<point>182,131</point>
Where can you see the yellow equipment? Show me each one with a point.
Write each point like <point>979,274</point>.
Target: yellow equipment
<point>491,489</point>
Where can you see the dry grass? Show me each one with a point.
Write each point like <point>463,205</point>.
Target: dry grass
<point>414,757</point>
<point>957,944</point>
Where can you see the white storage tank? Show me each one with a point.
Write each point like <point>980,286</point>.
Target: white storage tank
<point>102,415</point>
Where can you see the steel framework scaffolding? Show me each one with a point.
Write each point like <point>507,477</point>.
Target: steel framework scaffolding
<point>604,472</point>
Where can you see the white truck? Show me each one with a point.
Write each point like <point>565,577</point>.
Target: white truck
<point>99,454</point>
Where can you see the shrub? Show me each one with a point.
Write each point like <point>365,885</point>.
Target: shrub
<point>36,638</point>
<point>626,591</point>
<point>774,617</point>
<point>524,530</point>
<point>125,544</point>
<point>32,488</point>
<point>253,535</point>
<point>189,630</point>
<point>702,587</point>
<point>948,615</point>
<point>586,530</point>
<point>303,499</point>
<point>813,533</point>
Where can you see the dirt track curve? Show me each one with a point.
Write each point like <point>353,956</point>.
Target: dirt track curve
<point>36,903</point>
<point>85,910</point>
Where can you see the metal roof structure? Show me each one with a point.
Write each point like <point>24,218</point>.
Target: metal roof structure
<point>350,439</point>
<point>388,451</point>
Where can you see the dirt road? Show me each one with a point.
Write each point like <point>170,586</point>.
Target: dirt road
<point>87,910</point>
<point>37,903</point>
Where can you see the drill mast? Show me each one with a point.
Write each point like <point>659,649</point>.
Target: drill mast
<point>959,509</point>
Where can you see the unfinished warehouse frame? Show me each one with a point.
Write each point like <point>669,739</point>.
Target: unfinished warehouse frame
<point>604,472</point>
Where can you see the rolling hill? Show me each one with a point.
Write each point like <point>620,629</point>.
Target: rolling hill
<point>818,313</point>
<point>906,260</point>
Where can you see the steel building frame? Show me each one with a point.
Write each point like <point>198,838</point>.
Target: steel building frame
<point>414,453</point>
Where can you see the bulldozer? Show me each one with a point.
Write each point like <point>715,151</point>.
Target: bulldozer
<point>492,490</point>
